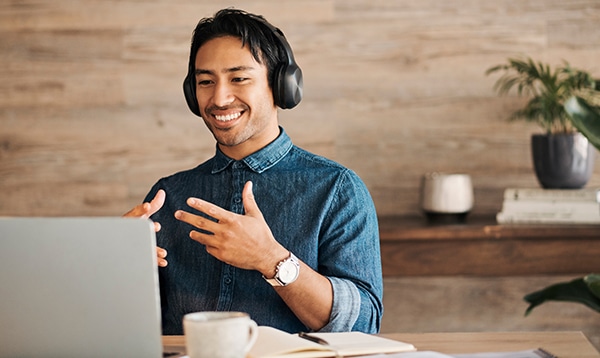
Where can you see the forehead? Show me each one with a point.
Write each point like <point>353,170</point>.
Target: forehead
<point>223,53</point>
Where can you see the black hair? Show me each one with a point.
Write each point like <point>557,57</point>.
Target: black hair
<point>251,29</point>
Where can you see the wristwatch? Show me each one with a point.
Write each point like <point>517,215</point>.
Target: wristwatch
<point>286,272</point>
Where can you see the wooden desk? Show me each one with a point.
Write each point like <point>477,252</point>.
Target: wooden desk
<point>413,247</point>
<point>562,344</point>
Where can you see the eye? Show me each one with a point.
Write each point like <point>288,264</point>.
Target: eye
<point>239,79</point>
<point>204,83</point>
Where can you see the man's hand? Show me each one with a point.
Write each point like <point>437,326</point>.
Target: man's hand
<point>244,241</point>
<point>145,210</point>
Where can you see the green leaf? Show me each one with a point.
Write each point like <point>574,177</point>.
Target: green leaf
<point>573,291</point>
<point>585,118</point>
<point>593,283</point>
<point>547,88</point>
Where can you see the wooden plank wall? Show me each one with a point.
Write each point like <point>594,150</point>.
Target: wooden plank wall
<point>92,112</point>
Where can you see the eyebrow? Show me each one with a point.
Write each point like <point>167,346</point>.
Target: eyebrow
<point>200,71</point>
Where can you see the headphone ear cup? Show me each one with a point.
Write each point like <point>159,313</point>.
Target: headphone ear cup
<point>189,91</point>
<point>287,85</point>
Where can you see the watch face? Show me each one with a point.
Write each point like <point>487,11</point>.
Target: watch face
<point>288,272</point>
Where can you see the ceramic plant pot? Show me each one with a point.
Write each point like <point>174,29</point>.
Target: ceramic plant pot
<point>562,161</point>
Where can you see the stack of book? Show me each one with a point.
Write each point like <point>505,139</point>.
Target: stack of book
<point>551,206</point>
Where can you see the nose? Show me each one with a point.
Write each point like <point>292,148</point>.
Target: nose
<point>223,94</point>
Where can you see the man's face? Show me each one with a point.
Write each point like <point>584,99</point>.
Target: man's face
<point>234,97</point>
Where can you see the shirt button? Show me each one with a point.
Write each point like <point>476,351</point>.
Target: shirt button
<point>228,281</point>
<point>237,200</point>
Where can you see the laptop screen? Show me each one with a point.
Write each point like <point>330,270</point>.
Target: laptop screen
<point>79,287</point>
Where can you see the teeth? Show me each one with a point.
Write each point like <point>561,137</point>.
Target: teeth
<point>228,117</point>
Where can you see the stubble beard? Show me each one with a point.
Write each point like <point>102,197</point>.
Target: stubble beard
<point>227,136</point>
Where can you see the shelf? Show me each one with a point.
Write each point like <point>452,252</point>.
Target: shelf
<point>411,246</point>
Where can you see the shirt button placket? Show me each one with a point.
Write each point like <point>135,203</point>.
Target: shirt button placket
<point>228,277</point>
<point>238,185</point>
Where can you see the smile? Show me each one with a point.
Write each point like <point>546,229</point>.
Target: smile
<point>228,117</point>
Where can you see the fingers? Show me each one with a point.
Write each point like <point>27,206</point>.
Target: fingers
<point>210,209</point>
<point>218,214</point>
<point>138,210</point>
<point>145,210</point>
<point>221,215</point>
<point>208,228</point>
<point>161,254</point>
<point>196,220</point>
<point>157,202</point>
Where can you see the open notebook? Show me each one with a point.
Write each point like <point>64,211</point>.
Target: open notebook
<point>274,343</point>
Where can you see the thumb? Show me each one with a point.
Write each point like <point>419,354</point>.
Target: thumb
<point>157,202</point>
<point>250,206</point>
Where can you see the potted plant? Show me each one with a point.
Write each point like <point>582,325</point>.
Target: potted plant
<point>558,159</point>
<point>585,290</point>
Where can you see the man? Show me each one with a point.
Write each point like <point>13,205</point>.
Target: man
<point>263,227</point>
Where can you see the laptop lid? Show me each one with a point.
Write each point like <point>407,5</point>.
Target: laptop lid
<point>79,287</point>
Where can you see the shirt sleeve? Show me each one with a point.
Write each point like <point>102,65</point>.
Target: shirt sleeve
<point>351,258</point>
<point>346,306</point>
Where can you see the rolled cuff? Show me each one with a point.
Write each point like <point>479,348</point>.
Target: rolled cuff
<point>346,306</point>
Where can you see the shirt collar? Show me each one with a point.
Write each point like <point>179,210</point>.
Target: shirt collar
<point>261,160</point>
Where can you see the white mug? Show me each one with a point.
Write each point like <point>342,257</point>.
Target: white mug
<point>219,334</point>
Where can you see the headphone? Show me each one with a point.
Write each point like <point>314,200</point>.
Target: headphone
<point>287,77</point>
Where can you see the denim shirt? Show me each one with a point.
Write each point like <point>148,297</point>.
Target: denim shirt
<point>316,208</point>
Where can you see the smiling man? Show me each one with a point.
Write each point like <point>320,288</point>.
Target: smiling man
<point>263,227</point>
<point>234,97</point>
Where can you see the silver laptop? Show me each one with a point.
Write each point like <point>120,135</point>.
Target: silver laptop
<point>79,287</point>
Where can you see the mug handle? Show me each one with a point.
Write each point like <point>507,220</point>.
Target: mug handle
<point>253,335</point>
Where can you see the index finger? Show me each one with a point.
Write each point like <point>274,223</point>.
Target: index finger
<point>210,209</point>
<point>147,209</point>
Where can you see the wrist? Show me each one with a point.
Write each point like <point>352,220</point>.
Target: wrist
<point>269,267</point>
<point>286,271</point>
